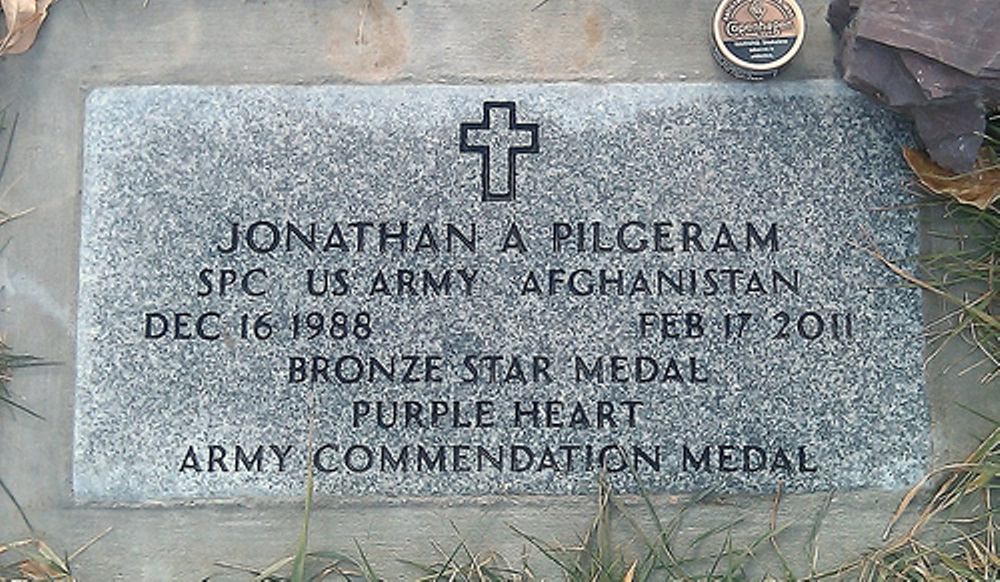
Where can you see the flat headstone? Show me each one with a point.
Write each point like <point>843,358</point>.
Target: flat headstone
<point>440,290</point>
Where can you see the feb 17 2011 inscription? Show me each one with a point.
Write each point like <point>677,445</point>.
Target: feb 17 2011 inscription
<point>478,290</point>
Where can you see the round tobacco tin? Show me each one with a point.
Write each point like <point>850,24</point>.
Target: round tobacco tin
<point>754,39</point>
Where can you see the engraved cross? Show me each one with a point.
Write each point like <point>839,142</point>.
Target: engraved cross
<point>498,139</point>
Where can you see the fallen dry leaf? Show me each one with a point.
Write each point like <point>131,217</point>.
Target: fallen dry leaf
<point>978,188</point>
<point>22,19</point>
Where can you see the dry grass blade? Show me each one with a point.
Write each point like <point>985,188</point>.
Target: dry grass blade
<point>89,543</point>
<point>976,316</point>
<point>462,564</point>
<point>238,567</point>
<point>812,546</point>
<point>987,318</point>
<point>773,533</point>
<point>631,572</point>
<point>268,572</point>
<point>963,504</point>
<point>967,275</point>
<point>41,562</point>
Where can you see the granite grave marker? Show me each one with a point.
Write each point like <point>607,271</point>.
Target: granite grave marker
<point>498,289</point>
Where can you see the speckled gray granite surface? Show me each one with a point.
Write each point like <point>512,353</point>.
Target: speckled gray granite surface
<point>665,278</point>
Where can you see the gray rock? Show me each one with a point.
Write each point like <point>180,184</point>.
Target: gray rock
<point>935,61</point>
<point>840,12</point>
<point>951,132</point>
<point>959,34</point>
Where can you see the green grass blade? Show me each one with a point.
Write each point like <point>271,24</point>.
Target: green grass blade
<point>273,568</point>
<point>812,544</point>
<point>366,568</point>
<point>10,138</point>
<point>8,401</point>
<point>20,510</point>
<point>548,552</point>
<point>428,570</point>
<point>299,563</point>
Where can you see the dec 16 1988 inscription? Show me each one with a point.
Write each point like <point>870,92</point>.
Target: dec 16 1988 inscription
<point>477,290</point>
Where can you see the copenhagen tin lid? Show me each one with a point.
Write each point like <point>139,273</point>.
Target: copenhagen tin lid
<point>758,35</point>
